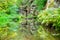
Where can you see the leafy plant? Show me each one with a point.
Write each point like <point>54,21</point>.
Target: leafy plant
<point>50,18</point>
<point>10,19</point>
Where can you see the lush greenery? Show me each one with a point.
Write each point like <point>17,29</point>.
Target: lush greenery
<point>9,19</point>
<point>47,21</point>
<point>50,18</point>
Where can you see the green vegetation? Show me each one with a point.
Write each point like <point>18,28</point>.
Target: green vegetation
<point>50,18</point>
<point>9,19</point>
<point>28,20</point>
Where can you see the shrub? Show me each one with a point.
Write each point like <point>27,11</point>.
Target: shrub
<point>50,18</point>
<point>9,19</point>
